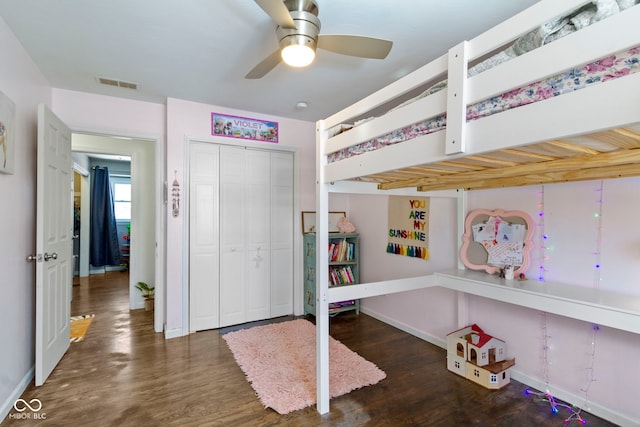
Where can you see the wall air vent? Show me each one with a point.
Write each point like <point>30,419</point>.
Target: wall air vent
<point>117,83</point>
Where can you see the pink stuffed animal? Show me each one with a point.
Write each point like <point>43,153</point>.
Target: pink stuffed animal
<point>345,226</point>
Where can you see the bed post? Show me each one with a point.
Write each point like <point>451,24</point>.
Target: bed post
<point>462,298</point>
<point>456,99</point>
<point>322,272</point>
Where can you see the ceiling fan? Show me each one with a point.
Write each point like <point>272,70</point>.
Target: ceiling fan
<point>298,29</point>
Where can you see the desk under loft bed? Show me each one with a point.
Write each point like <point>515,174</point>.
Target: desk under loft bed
<point>558,102</point>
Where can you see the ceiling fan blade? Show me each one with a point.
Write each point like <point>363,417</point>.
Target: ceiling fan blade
<point>266,65</point>
<point>360,46</point>
<point>278,11</point>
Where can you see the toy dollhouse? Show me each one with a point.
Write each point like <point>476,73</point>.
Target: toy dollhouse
<point>479,357</point>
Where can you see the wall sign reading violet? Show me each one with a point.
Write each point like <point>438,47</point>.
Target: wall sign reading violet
<point>244,128</point>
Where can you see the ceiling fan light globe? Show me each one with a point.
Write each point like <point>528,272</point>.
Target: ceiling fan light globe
<point>297,55</point>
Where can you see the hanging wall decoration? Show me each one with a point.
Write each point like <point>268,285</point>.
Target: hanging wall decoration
<point>175,194</point>
<point>408,230</point>
<point>497,241</point>
<point>244,128</point>
<point>7,133</point>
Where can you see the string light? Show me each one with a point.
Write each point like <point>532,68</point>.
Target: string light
<point>598,215</point>
<point>574,412</point>
<point>543,236</point>
<point>546,396</point>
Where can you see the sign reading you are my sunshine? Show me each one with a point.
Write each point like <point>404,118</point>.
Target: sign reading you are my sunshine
<point>244,128</point>
<point>408,226</point>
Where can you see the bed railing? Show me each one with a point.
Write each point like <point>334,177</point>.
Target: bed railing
<point>565,53</point>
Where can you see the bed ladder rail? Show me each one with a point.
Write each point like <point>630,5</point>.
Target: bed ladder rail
<point>456,99</point>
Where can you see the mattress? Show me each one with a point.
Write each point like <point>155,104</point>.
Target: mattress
<point>604,69</point>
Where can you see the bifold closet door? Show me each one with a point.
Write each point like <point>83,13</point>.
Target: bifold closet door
<point>204,259</point>
<point>241,235</point>
<point>245,235</point>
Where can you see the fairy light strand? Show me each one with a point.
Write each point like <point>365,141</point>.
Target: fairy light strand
<point>575,413</point>
<point>543,237</point>
<point>546,396</point>
<point>598,265</point>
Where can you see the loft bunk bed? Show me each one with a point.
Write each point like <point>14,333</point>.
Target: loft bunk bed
<point>550,95</point>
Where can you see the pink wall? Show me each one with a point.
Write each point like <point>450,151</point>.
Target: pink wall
<point>585,224</point>
<point>427,311</point>
<point>22,82</point>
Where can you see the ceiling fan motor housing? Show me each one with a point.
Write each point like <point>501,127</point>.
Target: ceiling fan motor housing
<point>304,14</point>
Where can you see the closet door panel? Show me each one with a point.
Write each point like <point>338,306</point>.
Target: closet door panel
<point>204,290</point>
<point>281,234</point>
<point>257,285</point>
<point>232,293</point>
<point>281,282</point>
<point>232,241</point>
<point>256,193</point>
<point>232,205</point>
<point>257,236</point>
<point>203,238</point>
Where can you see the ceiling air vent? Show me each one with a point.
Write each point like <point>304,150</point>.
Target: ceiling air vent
<point>117,83</point>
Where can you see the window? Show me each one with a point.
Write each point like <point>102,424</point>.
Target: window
<point>121,198</point>
<point>493,379</point>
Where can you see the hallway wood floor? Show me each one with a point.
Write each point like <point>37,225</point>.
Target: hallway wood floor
<point>124,374</point>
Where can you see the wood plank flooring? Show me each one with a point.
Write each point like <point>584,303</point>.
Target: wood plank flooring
<point>124,374</point>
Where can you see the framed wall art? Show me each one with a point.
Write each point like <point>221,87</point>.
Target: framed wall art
<point>309,221</point>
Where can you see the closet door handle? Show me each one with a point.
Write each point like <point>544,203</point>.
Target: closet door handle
<point>47,256</point>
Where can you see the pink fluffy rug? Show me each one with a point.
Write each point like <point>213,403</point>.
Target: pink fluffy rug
<point>279,361</point>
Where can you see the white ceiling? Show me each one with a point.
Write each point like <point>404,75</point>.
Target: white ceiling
<point>200,50</point>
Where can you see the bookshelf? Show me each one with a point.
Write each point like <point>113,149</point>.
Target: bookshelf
<point>344,270</point>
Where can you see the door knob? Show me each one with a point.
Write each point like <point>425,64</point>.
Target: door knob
<point>47,256</point>
<point>31,258</point>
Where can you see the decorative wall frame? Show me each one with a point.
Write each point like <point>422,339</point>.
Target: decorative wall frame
<point>309,221</point>
<point>7,133</point>
<point>492,255</point>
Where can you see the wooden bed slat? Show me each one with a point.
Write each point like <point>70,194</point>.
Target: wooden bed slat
<point>462,180</point>
<point>606,172</point>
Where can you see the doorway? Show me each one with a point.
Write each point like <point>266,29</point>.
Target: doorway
<point>120,181</point>
<point>142,155</point>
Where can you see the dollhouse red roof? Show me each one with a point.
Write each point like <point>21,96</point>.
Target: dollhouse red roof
<point>484,338</point>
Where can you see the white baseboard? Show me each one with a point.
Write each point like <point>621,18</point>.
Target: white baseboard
<point>571,398</point>
<point>16,393</point>
<point>406,328</point>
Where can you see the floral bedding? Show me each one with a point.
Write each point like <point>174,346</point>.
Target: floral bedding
<point>608,68</point>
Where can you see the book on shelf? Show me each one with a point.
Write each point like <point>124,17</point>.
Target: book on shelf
<point>341,250</point>
<point>341,275</point>
<point>341,304</point>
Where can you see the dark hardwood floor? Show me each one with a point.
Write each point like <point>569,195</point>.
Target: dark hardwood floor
<point>124,374</point>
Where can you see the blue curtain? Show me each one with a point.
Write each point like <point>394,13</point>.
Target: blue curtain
<point>104,244</point>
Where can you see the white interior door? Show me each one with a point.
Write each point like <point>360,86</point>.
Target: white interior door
<point>54,231</point>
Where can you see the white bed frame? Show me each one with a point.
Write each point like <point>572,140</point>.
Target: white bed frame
<point>607,105</point>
